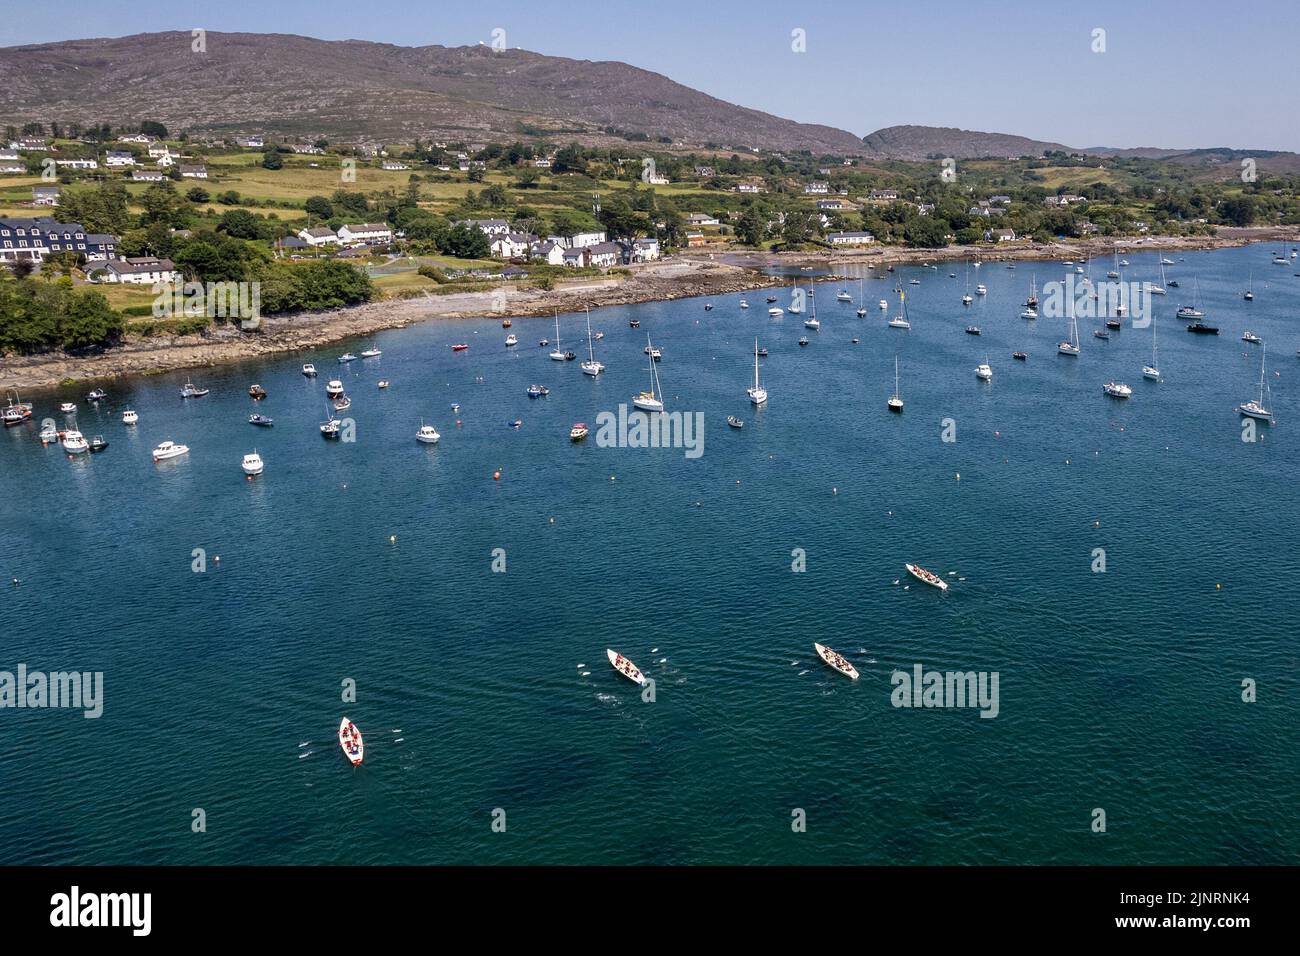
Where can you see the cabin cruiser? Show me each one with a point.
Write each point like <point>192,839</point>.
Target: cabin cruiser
<point>372,352</point>
<point>1029,314</point>
<point>1200,328</point>
<point>427,435</point>
<point>512,340</point>
<point>256,392</point>
<point>983,372</point>
<point>578,432</point>
<point>1117,390</point>
<point>130,417</point>
<point>331,429</point>
<point>309,370</point>
<point>334,388</point>
<point>252,464</point>
<point>346,357</point>
<point>775,311</point>
<point>169,449</point>
<point>261,421</point>
<point>193,391</point>
<point>74,443</point>
<point>1251,337</point>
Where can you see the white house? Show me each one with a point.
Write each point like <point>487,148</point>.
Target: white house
<point>78,163</point>
<point>319,236</point>
<point>1001,235</point>
<point>147,176</point>
<point>658,179</point>
<point>9,154</point>
<point>167,160</point>
<point>887,195</point>
<point>604,254</point>
<point>119,157</point>
<point>135,138</point>
<point>250,142</point>
<point>812,189</point>
<point>643,250</point>
<point>700,219</point>
<point>9,166</point>
<point>489,227</point>
<point>45,195</point>
<point>370,233</point>
<point>580,239</point>
<point>552,253</point>
<point>393,165</point>
<point>748,188</point>
<point>29,145</point>
<point>194,172</point>
<point>512,245</point>
<point>850,238</point>
<point>158,149</point>
<point>575,258</point>
<point>144,271</point>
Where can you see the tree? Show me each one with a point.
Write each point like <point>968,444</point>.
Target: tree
<point>318,207</point>
<point>272,160</point>
<point>198,194</point>
<point>152,128</point>
<point>466,242</point>
<point>239,224</point>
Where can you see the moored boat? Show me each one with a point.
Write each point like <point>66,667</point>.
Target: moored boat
<point>578,432</point>
<point>169,449</point>
<point>1117,390</point>
<point>926,577</point>
<point>256,392</point>
<point>309,370</point>
<point>74,443</point>
<point>252,464</point>
<point>262,421</point>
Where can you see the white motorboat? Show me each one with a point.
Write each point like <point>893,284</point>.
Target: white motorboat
<point>49,434</point>
<point>427,435</point>
<point>68,407</point>
<point>96,395</point>
<point>331,429</point>
<point>193,391</point>
<point>130,417</point>
<point>74,443</point>
<point>383,383</point>
<point>1029,314</point>
<point>835,661</point>
<point>309,370</point>
<point>334,388</point>
<point>757,394</point>
<point>372,352</point>
<point>981,290</point>
<point>884,306</point>
<point>512,340</point>
<point>1117,390</point>
<point>984,372</point>
<point>579,431</point>
<point>252,464</point>
<point>775,311</point>
<point>926,577</point>
<point>1251,337</point>
<point>354,748</point>
<point>744,304</point>
<point>342,404</point>
<point>169,449</point>
<point>347,357</point>
<point>625,667</point>
<point>653,353</point>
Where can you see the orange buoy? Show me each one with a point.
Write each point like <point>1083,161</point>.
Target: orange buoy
<point>496,476</point>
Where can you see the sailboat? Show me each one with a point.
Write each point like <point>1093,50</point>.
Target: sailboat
<point>557,355</point>
<point>900,321</point>
<point>1158,289</point>
<point>1258,409</point>
<point>1250,288</point>
<point>650,401</point>
<point>1114,273</point>
<point>591,366</point>
<point>1032,301</point>
<point>1071,346</point>
<point>1193,312</point>
<point>795,305</point>
<point>862,303</point>
<point>895,402</point>
<point>1280,259</point>
<point>967,299</point>
<point>1152,371</point>
<point>757,394</point>
<point>811,322</point>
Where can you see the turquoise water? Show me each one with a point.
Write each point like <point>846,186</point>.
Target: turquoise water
<point>1119,690</point>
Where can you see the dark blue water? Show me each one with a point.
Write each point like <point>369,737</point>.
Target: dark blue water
<point>1118,690</point>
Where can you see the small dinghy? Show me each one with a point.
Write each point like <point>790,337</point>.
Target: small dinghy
<point>835,661</point>
<point>926,577</point>
<point>972,330</point>
<point>1100,334</point>
<point>537,391</point>
<point>625,667</point>
<point>343,404</point>
<point>68,407</point>
<point>354,748</point>
<point>193,391</point>
<point>460,347</point>
<point>803,340</point>
<point>735,422</point>
<point>634,323</point>
<point>261,421</point>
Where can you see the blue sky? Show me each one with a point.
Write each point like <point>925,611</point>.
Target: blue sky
<point>1181,74</point>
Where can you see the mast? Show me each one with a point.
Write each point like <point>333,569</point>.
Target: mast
<point>591,355</point>
<point>755,363</point>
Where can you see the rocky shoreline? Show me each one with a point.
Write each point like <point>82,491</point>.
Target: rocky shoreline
<point>695,273</point>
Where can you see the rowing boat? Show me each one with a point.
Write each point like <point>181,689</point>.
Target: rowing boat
<point>928,577</point>
<point>354,747</point>
<point>625,667</point>
<point>835,661</point>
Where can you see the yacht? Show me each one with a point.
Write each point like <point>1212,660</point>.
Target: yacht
<point>843,296</point>
<point>895,403</point>
<point>650,401</point>
<point>1071,345</point>
<point>261,421</point>
<point>591,366</point>
<point>427,435</point>
<point>812,323</point>
<point>757,394</point>
<point>1259,409</point>
<point>775,311</point>
<point>984,372</point>
<point>193,391</point>
<point>557,354</point>
<point>74,443</point>
<point>1117,390</point>
<point>309,370</point>
<point>899,321</point>
<point>1152,371</point>
<point>579,431</point>
<point>169,449</point>
<point>129,417</point>
<point>512,340</point>
<point>334,388</point>
<point>252,464</point>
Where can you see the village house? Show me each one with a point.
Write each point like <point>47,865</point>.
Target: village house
<point>10,166</point>
<point>78,163</point>
<point>580,239</point>
<point>167,160</point>
<point>850,238</point>
<point>658,179</point>
<point>704,172</point>
<point>574,257</point>
<point>641,250</point>
<point>513,245</point>
<point>368,233</point>
<point>194,172</point>
<point>307,150</point>
<point>542,163</point>
<point>394,166</point>
<point>45,195</point>
<point>142,271</point>
<point>701,219</point>
<point>750,188</point>
<point>33,239</point>
<point>157,149</point>
<point>30,145</point>
<point>135,138</point>
<point>119,157</point>
<point>318,236</point>
<point>816,189</point>
<point>1066,200</point>
<point>550,252</point>
<point>835,204</point>
<point>884,195</point>
<point>604,254</point>
<point>1000,200</point>
<point>489,227</point>
<point>250,142</point>
<point>695,239</point>
<point>147,176</point>
<point>9,155</point>
<point>1000,235</point>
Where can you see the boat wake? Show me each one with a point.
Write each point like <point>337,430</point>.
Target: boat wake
<point>307,754</point>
